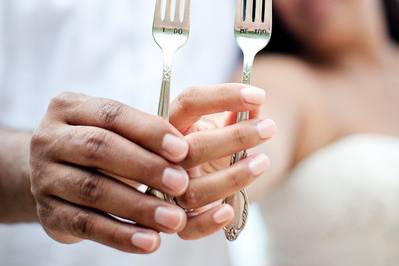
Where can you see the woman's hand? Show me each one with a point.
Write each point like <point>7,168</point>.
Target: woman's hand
<point>207,117</point>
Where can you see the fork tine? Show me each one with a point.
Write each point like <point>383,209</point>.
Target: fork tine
<point>177,11</point>
<point>259,11</point>
<point>249,10</point>
<point>186,18</point>
<point>268,12</point>
<point>168,11</point>
<point>158,12</point>
<point>239,11</point>
<point>268,15</point>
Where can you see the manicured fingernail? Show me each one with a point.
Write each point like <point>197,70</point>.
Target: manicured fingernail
<point>259,164</point>
<point>223,215</point>
<point>146,242</point>
<point>175,146</point>
<point>266,128</point>
<point>170,218</point>
<point>253,95</point>
<point>175,179</point>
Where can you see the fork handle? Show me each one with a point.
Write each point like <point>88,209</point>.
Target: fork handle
<point>163,111</point>
<point>164,98</point>
<point>239,201</point>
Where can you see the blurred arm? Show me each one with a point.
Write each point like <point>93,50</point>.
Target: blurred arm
<point>16,201</point>
<point>288,86</point>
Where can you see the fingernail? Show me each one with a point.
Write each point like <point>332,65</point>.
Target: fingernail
<point>144,241</point>
<point>259,164</point>
<point>175,146</point>
<point>253,95</point>
<point>175,179</point>
<point>170,218</point>
<point>224,214</point>
<point>266,128</point>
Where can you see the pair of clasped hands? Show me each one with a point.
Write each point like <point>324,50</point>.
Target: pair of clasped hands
<point>89,155</point>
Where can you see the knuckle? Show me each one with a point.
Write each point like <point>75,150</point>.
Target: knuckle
<point>151,170</point>
<point>162,124</point>
<point>95,142</point>
<point>240,137</point>
<point>41,147</point>
<point>110,111</point>
<point>82,225</point>
<point>196,151</point>
<point>237,180</point>
<point>45,213</point>
<point>185,99</point>
<point>114,235</point>
<point>39,183</point>
<point>91,188</point>
<point>39,138</point>
<point>190,199</point>
<point>147,171</point>
<point>63,100</point>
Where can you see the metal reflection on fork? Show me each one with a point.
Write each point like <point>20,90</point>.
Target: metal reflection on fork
<point>170,30</point>
<point>253,28</point>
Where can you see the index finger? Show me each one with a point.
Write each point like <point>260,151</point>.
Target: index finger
<point>196,102</point>
<point>148,131</point>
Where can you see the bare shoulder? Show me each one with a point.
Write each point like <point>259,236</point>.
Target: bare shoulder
<point>287,79</point>
<point>285,73</point>
<point>294,94</point>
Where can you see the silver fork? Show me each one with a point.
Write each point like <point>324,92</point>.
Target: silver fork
<point>253,28</point>
<point>170,30</point>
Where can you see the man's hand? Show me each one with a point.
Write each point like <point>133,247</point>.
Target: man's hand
<point>84,154</point>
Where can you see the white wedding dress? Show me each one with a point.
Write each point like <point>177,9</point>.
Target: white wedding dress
<point>338,207</point>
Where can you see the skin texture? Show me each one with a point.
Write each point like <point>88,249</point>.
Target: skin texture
<point>14,176</point>
<point>347,84</point>
<point>89,155</point>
